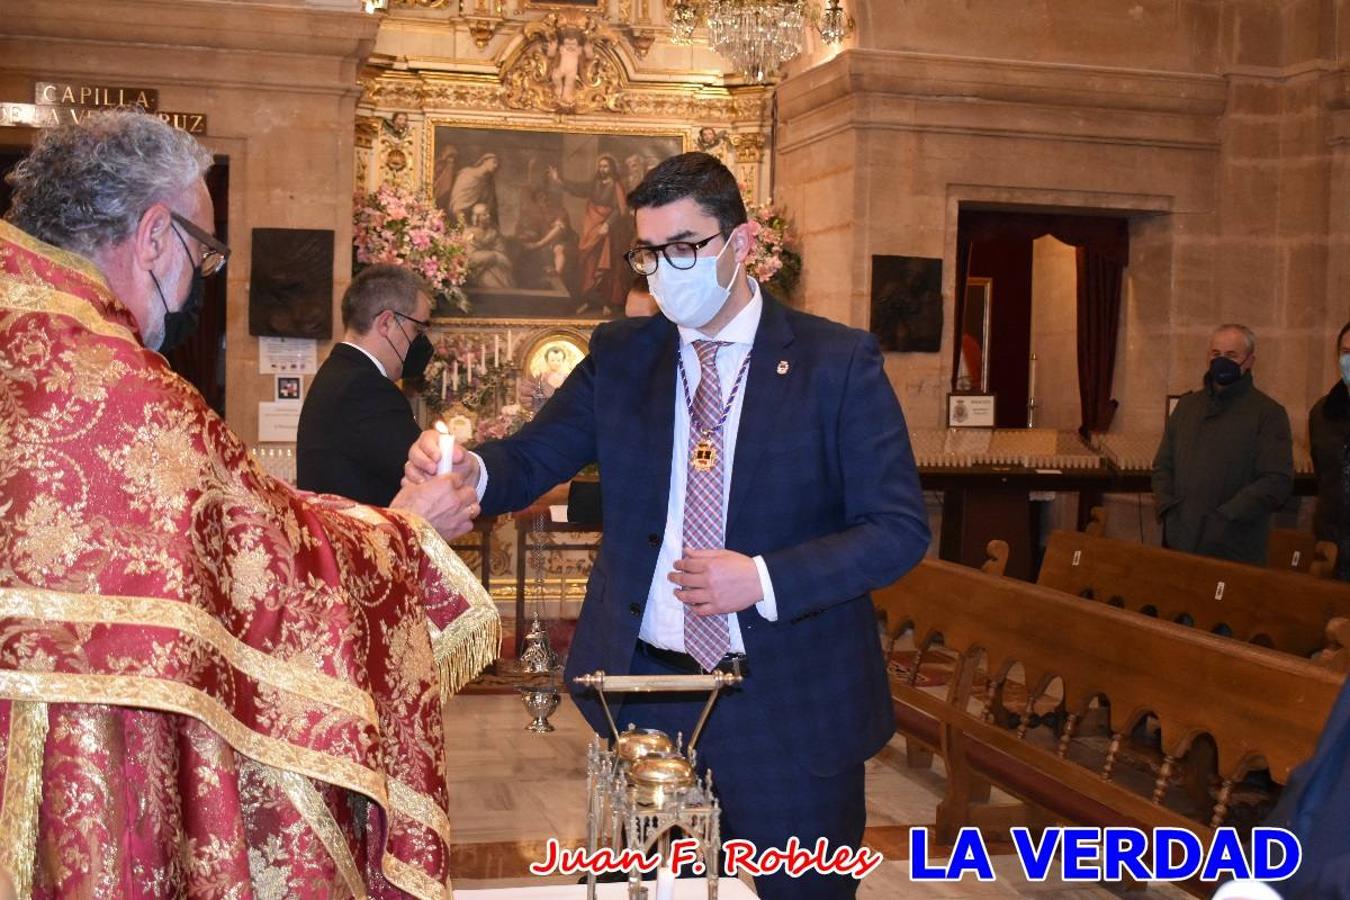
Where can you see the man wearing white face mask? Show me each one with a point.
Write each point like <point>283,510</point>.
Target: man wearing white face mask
<point>757,483</point>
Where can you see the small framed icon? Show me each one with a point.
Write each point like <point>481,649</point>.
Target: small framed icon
<point>970,410</point>
<point>288,387</point>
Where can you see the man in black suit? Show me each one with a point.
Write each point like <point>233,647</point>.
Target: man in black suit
<point>758,482</point>
<point>356,426</point>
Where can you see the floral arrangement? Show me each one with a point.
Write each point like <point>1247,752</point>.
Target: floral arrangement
<point>507,421</point>
<point>394,225</point>
<point>774,261</point>
<point>471,372</point>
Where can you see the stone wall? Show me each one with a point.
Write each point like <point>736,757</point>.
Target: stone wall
<point>1217,127</point>
<point>278,83</point>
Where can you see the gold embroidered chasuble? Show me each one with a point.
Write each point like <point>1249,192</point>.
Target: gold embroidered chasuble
<point>211,685</point>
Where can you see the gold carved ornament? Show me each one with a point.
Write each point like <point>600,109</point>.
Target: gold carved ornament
<point>567,64</point>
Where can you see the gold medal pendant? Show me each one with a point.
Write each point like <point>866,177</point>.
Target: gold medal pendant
<point>704,456</point>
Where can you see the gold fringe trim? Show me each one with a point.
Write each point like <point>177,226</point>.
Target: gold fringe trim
<point>466,648</point>
<point>28,725</point>
<point>472,642</point>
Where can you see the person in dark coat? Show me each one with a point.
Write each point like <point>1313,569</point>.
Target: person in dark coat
<point>356,426</point>
<point>1226,459</point>
<point>1329,437</point>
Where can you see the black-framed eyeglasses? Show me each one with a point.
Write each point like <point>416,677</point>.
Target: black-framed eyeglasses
<point>214,251</point>
<point>679,254</point>
<point>422,324</point>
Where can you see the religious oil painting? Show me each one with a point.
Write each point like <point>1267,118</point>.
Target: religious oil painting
<point>907,303</point>
<point>546,216</point>
<point>546,363</point>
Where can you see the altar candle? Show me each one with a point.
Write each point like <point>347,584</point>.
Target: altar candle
<point>447,446</point>
<point>510,343</point>
<point>443,384</point>
<point>496,350</point>
<point>665,882</point>
<point>454,377</point>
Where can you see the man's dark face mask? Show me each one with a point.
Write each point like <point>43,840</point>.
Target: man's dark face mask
<point>1224,371</point>
<point>181,324</point>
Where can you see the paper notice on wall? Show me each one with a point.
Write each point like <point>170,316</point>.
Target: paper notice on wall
<point>287,356</point>
<point>278,420</point>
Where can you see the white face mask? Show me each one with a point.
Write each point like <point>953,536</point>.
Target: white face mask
<point>691,297</point>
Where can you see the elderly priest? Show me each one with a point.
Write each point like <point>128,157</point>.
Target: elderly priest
<point>209,683</point>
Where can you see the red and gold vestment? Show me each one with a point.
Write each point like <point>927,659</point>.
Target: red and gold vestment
<point>211,685</point>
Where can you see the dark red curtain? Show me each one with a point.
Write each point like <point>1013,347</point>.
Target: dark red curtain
<point>1103,244</point>
<point>963,249</point>
<point>1099,280</point>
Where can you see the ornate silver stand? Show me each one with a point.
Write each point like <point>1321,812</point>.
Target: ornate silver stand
<point>646,786</point>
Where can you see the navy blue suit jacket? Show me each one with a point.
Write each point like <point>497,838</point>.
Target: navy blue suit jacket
<point>823,487</point>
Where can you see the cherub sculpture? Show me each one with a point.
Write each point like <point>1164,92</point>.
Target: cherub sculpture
<point>567,52</point>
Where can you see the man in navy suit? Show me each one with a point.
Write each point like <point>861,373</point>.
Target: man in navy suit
<point>758,482</point>
<point>356,426</point>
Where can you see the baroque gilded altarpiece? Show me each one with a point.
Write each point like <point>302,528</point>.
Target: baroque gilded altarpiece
<point>543,86</point>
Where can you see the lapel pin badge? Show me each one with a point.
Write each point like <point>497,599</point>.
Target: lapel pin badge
<point>783,367</point>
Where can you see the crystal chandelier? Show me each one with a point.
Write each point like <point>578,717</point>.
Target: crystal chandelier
<point>835,24</point>
<point>757,36</point>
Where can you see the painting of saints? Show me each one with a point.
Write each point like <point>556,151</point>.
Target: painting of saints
<point>545,213</point>
<point>605,234</point>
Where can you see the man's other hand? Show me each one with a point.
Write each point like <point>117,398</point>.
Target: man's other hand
<point>446,502</point>
<point>425,453</point>
<point>711,582</point>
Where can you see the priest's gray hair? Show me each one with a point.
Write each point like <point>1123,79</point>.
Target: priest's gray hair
<point>86,186</point>
<point>1248,335</point>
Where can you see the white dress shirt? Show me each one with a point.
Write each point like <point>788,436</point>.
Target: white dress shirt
<point>663,618</point>
<point>371,356</point>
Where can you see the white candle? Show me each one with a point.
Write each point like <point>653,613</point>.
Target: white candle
<point>510,344</point>
<point>665,882</point>
<point>447,447</point>
<point>454,377</point>
<point>496,350</point>
<point>443,384</point>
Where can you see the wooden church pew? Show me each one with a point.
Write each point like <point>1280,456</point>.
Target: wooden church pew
<point>1284,610</point>
<point>1299,551</point>
<point>1193,683</point>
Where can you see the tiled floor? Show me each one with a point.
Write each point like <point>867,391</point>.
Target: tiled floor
<point>512,790</point>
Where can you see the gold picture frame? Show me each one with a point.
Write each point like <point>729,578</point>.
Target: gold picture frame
<point>538,203</point>
<point>546,359</point>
